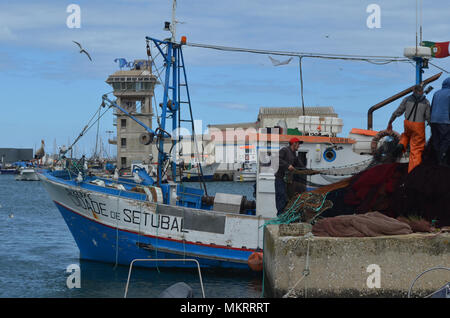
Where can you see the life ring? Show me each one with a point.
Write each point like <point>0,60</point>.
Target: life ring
<point>255,261</point>
<point>329,155</point>
<point>382,134</point>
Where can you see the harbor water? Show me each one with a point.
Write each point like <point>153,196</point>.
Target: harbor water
<point>37,249</point>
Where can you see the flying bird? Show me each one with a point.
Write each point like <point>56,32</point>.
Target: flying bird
<point>278,63</point>
<point>82,50</point>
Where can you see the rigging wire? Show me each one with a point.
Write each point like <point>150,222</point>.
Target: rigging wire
<point>365,58</point>
<point>377,60</point>
<point>87,127</point>
<point>438,67</point>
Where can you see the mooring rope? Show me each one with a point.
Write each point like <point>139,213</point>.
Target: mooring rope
<point>293,214</point>
<point>306,270</point>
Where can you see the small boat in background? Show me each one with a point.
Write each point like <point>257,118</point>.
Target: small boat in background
<point>27,174</point>
<point>247,173</point>
<point>8,171</point>
<point>194,174</point>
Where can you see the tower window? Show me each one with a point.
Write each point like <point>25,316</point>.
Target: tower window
<point>123,142</point>
<point>123,123</point>
<point>123,161</point>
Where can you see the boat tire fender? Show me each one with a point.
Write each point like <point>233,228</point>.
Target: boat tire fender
<point>382,134</point>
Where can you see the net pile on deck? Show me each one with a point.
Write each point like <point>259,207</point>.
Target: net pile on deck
<point>385,187</point>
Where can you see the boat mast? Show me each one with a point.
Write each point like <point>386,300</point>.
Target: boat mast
<point>175,78</point>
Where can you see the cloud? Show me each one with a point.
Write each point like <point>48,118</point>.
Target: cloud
<point>6,34</point>
<point>229,106</point>
<point>36,45</point>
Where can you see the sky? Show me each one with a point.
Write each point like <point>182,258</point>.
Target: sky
<point>50,91</point>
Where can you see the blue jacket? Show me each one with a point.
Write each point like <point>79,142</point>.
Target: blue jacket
<point>440,106</point>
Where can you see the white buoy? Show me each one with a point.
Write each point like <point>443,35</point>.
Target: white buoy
<point>419,51</point>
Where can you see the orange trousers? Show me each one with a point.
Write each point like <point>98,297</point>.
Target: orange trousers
<point>414,135</point>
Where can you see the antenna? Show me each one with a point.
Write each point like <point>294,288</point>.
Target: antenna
<point>421,9</point>
<point>174,22</point>
<point>172,26</point>
<point>417,9</point>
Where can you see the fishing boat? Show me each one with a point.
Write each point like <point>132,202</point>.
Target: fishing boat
<point>193,173</point>
<point>247,172</point>
<point>118,220</point>
<point>8,171</point>
<point>27,174</point>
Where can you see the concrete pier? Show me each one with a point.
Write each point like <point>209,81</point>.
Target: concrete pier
<point>383,266</point>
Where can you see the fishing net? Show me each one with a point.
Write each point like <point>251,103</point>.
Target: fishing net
<point>303,207</point>
<point>384,186</point>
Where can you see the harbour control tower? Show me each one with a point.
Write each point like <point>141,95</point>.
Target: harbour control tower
<point>134,89</point>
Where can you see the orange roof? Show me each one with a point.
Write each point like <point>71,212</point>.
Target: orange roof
<point>318,139</point>
<point>365,132</point>
<point>251,136</point>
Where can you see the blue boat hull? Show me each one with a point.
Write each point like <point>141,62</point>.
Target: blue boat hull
<point>99,242</point>
<point>8,171</point>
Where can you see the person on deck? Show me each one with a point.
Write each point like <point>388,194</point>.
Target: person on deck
<point>417,110</point>
<point>440,122</point>
<point>288,161</point>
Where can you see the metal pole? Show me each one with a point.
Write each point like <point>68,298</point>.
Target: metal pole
<point>301,90</point>
<point>174,22</point>
<point>419,64</point>
<point>301,83</point>
<point>175,106</point>
<point>393,98</point>
<point>164,260</point>
<point>161,155</point>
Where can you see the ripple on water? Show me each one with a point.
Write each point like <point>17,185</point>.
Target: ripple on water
<point>37,247</point>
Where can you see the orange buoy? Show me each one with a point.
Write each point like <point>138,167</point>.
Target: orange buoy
<point>255,261</point>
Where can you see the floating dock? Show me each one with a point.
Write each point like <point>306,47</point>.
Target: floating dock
<point>297,265</point>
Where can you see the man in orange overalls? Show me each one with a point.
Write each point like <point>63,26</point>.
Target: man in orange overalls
<point>417,110</point>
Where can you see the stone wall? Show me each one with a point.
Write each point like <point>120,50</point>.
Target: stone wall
<point>343,267</point>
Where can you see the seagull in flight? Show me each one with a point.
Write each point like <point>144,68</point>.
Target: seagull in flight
<point>278,63</point>
<point>82,50</point>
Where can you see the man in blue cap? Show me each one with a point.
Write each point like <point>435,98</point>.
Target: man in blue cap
<point>288,161</point>
<point>440,123</point>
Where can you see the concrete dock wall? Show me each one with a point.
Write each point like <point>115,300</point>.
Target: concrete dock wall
<point>382,266</point>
